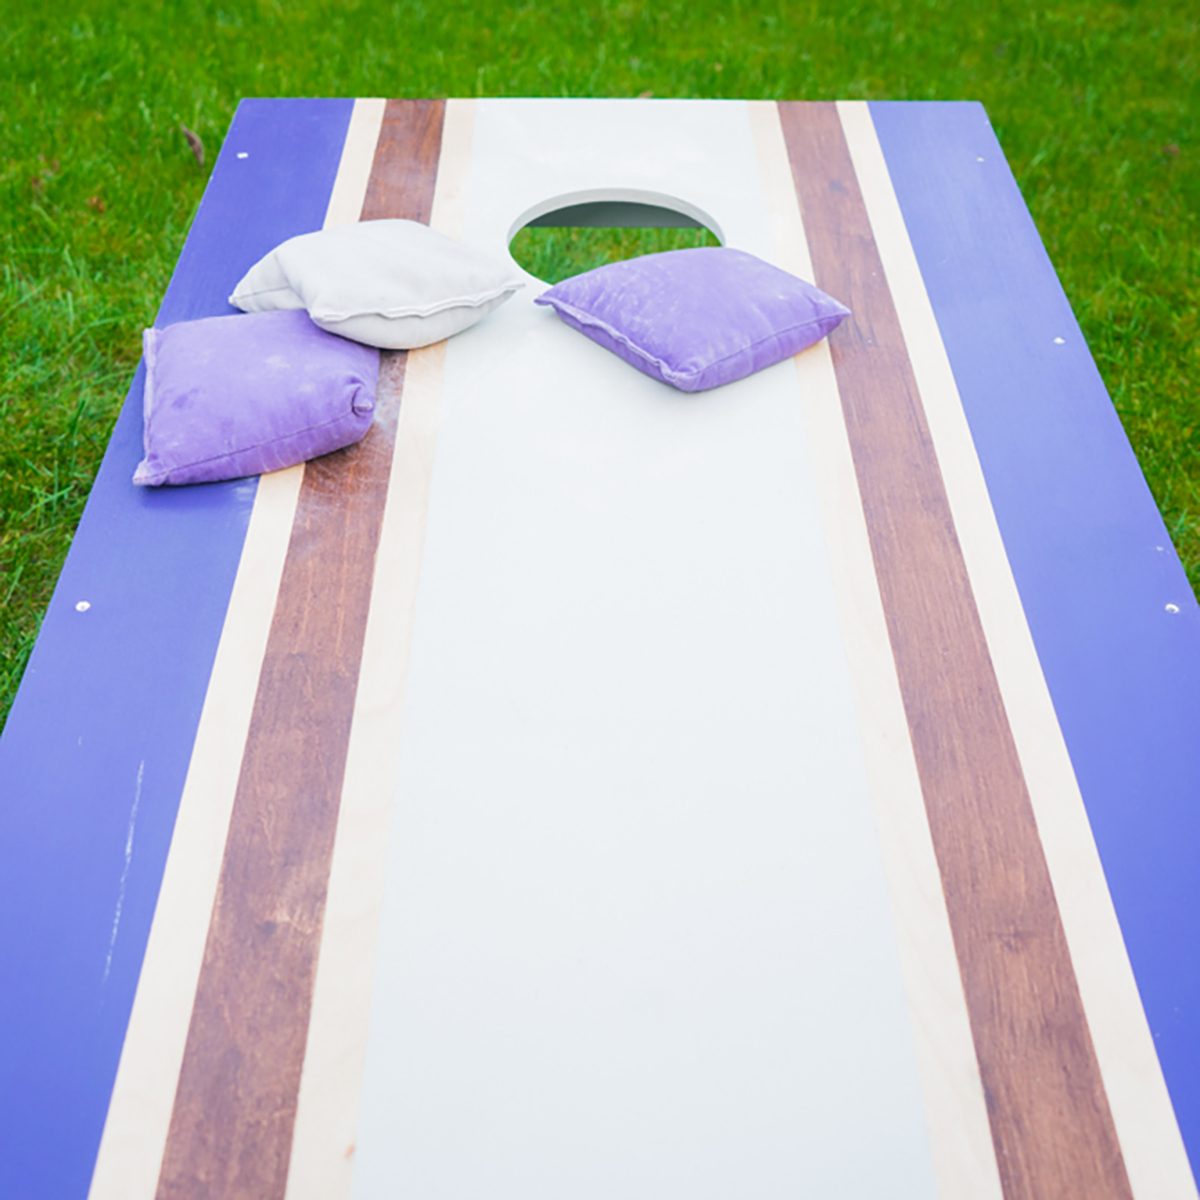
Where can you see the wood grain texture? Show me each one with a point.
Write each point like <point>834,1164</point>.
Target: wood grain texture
<point>234,1113</point>
<point>406,159</point>
<point>1049,1115</point>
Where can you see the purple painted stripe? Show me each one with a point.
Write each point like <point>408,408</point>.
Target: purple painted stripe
<point>1092,560</point>
<point>93,758</point>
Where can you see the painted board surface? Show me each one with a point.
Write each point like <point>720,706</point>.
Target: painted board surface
<point>630,782</point>
<point>708,794</point>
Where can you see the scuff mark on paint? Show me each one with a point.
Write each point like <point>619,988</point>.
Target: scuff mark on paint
<point>133,812</point>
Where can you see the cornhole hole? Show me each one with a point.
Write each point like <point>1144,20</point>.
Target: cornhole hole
<point>580,789</point>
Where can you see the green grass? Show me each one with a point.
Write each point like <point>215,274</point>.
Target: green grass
<point>1095,104</point>
<point>552,254</point>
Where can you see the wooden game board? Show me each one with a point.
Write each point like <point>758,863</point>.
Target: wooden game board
<point>580,789</point>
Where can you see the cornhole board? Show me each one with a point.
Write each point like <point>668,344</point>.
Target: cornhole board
<point>581,789</point>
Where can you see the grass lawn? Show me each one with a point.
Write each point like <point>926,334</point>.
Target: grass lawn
<point>1095,104</point>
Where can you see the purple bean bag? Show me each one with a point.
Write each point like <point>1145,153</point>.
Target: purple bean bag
<point>240,395</point>
<point>696,318</point>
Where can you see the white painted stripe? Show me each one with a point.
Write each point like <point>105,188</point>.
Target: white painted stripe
<point>960,1137</point>
<point>636,937</point>
<point>324,1139</point>
<point>139,1112</point>
<point>1151,1143</point>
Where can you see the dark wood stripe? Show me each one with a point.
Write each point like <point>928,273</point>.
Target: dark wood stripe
<point>231,1127</point>
<point>1049,1114</point>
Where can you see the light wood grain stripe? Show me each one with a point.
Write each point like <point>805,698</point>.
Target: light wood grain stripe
<point>232,1125</point>
<point>1051,1123</point>
<point>1151,1143</point>
<point>323,1151</point>
<point>956,1113</point>
<point>135,1130</point>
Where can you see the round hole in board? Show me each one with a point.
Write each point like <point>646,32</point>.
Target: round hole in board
<point>575,232</point>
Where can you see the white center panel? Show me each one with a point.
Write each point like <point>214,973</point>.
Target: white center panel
<point>636,940</point>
